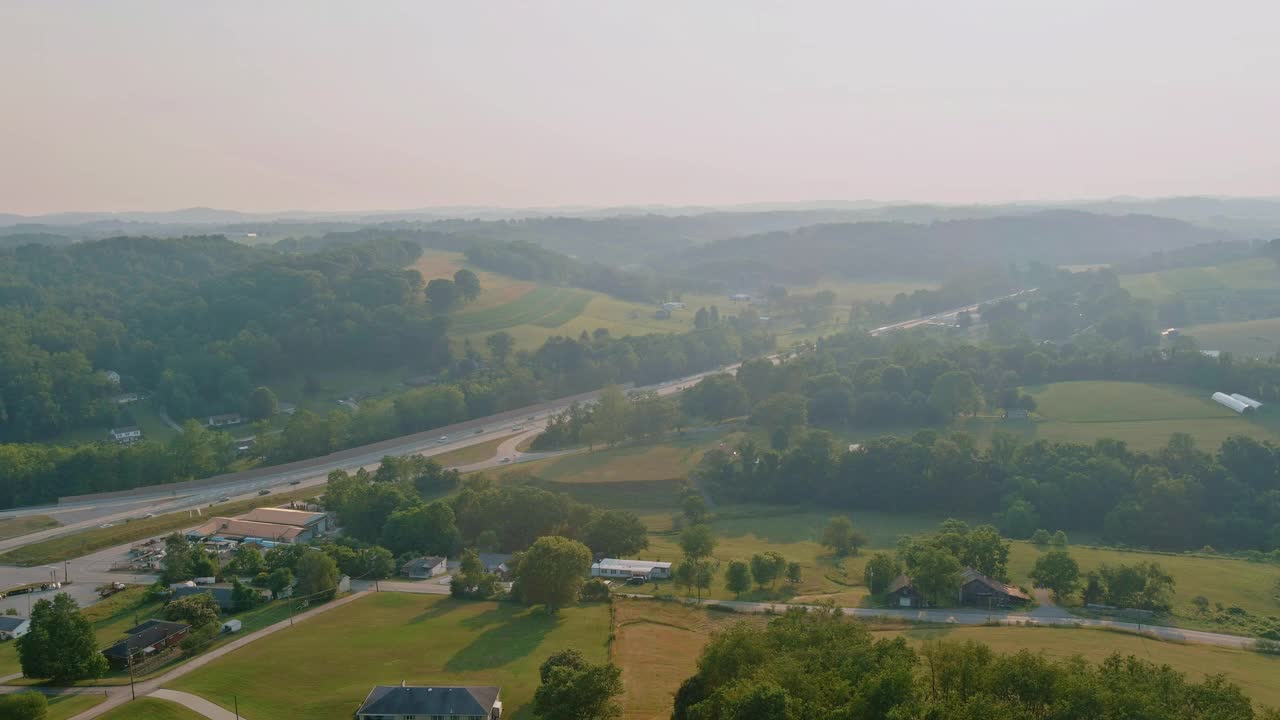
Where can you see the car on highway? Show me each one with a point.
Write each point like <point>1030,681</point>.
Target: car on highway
<point>442,438</point>
<point>225,498</point>
<point>506,459</point>
<point>517,427</point>
<point>149,515</point>
<point>264,491</point>
<point>107,525</point>
<point>479,431</point>
<point>295,482</point>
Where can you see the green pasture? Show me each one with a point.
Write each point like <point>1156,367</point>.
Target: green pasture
<point>324,667</point>
<point>1249,338</point>
<point>1253,274</point>
<point>148,708</point>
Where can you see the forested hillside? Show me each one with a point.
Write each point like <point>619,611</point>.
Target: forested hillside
<point>936,250</point>
<point>198,320</point>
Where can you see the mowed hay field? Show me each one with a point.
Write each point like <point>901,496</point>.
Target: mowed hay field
<point>1255,274</point>
<point>1142,414</point>
<point>324,667</point>
<point>657,646</point>
<point>1250,338</point>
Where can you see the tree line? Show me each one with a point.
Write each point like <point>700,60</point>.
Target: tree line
<point>818,663</point>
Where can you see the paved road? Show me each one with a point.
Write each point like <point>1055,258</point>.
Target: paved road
<point>971,617</point>
<point>119,695</point>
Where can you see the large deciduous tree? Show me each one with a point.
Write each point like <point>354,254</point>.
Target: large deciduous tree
<point>574,689</point>
<point>1056,571</point>
<point>617,533</point>
<point>551,571</point>
<point>60,644</point>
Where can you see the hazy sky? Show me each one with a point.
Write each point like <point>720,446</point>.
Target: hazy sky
<point>115,105</point>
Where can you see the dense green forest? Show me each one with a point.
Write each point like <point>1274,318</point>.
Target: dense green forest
<point>197,320</point>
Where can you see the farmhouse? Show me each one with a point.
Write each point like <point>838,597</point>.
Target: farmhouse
<point>406,702</point>
<point>126,435</point>
<point>224,420</point>
<point>978,589</point>
<point>614,568</point>
<point>145,640</point>
<point>423,567</point>
<point>903,594</point>
<point>315,522</point>
<point>12,628</point>
<point>975,589</point>
<point>240,530</point>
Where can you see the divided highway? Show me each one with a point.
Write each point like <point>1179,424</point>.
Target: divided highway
<point>92,512</point>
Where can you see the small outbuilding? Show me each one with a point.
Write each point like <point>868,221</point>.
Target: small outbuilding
<point>903,593</point>
<point>13,627</point>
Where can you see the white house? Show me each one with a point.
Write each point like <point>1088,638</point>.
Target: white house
<point>614,568</point>
<point>13,627</point>
<point>125,435</point>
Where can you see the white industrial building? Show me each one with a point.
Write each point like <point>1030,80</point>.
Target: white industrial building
<point>1227,401</point>
<point>1247,400</point>
<point>614,568</point>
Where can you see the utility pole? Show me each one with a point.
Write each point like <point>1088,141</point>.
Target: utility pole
<point>236,700</point>
<point>129,652</point>
<point>66,571</point>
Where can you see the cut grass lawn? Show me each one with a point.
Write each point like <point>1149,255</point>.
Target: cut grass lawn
<point>147,708</point>
<point>324,667</point>
<point>1250,338</point>
<point>74,545</point>
<point>24,525</point>
<point>62,707</point>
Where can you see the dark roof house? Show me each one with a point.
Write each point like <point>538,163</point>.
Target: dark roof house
<point>903,593</point>
<point>978,589</point>
<point>424,567</point>
<point>222,595</point>
<point>398,702</point>
<point>145,639</point>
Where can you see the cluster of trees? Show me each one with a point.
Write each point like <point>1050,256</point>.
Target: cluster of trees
<point>575,689</point>
<point>615,416</point>
<point>306,570</point>
<point>444,295</point>
<point>196,320</point>
<point>60,644</point>
<point>820,664</point>
<point>389,508</point>
<point>530,261</point>
<point>934,561</point>
<point>1178,497</point>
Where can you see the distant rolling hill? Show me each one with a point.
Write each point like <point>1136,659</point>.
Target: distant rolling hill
<point>936,250</point>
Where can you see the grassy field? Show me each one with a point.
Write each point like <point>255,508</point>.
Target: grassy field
<point>470,454</point>
<point>1251,338</point>
<point>62,707</point>
<point>147,708</point>
<point>25,524</point>
<point>324,667</point>
<point>1255,274</point>
<point>66,547</point>
<point>1141,414</point>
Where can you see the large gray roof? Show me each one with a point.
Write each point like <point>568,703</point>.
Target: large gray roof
<point>419,700</point>
<point>9,622</point>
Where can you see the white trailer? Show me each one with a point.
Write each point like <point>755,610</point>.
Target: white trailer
<point>231,626</point>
